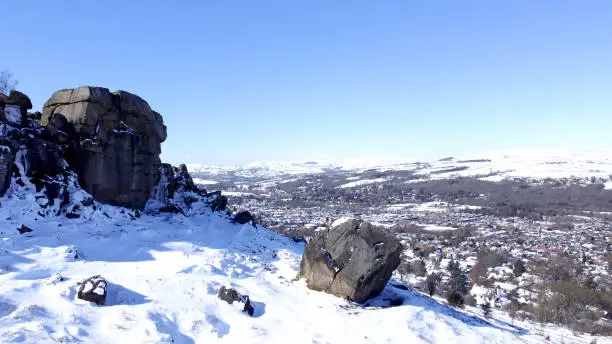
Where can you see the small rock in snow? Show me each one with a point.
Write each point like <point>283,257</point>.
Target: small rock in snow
<point>230,296</point>
<point>24,229</point>
<point>93,290</point>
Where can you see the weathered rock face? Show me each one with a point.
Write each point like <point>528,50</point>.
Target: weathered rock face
<point>118,141</point>
<point>6,162</point>
<point>13,115</point>
<point>352,260</point>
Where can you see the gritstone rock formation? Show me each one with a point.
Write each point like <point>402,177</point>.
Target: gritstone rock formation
<point>353,260</point>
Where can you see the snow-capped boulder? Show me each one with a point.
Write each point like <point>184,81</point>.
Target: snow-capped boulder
<point>352,260</point>
<point>117,157</point>
<point>93,290</point>
<point>14,108</point>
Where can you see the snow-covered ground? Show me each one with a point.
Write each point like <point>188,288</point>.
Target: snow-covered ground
<point>165,271</point>
<point>362,182</point>
<point>200,181</point>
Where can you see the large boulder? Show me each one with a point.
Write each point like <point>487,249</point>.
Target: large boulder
<point>352,259</point>
<point>119,141</point>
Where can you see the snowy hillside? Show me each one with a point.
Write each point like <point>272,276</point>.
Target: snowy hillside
<point>165,270</point>
<point>494,166</point>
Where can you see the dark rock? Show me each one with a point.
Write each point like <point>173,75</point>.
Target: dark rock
<point>242,217</point>
<point>170,209</point>
<point>35,115</point>
<point>59,129</point>
<point>19,99</point>
<point>117,158</point>
<point>87,202</point>
<point>298,239</point>
<point>24,229</point>
<point>93,290</point>
<point>44,158</point>
<point>219,203</point>
<point>6,162</point>
<point>247,306</point>
<point>182,179</point>
<point>230,296</point>
<point>353,260</point>
<point>73,213</point>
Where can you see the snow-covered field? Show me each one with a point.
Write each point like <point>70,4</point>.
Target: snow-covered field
<point>492,166</point>
<point>165,271</point>
<point>362,182</point>
<point>200,181</point>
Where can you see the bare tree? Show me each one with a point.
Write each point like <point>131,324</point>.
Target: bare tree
<point>7,83</point>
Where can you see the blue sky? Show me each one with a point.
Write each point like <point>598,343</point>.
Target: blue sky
<point>242,81</point>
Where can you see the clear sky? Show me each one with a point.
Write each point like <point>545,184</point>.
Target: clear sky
<point>242,81</point>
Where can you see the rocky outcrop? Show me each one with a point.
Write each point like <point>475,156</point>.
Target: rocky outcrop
<point>105,143</point>
<point>13,115</point>
<point>352,259</point>
<point>177,193</point>
<point>118,141</point>
<point>6,162</point>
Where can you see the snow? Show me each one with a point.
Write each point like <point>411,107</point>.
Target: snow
<point>201,181</point>
<point>164,272</point>
<point>237,193</point>
<point>340,221</point>
<point>491,166</point>
<point>12,113</point>
<point>362,182</point>
<point>436,228</point>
